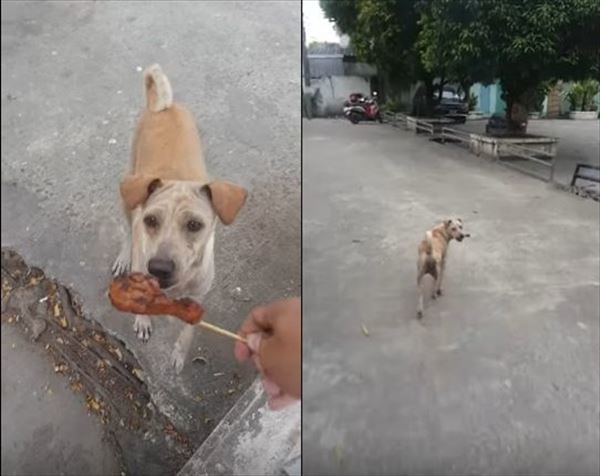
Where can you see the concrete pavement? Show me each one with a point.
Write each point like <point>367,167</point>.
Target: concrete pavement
<point>502,375</point>
<point>71,91</point>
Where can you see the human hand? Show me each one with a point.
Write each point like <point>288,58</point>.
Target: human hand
<point>273,334</point>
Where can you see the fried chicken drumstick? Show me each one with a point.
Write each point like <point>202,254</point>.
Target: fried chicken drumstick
<point>140,294</point>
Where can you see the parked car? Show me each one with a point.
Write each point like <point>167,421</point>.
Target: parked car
<point>452,106</point>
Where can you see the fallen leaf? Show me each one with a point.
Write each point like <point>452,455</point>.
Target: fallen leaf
<point>117,352</point>
<point>138,373</point>
<point>339,454</point>
<point>365,330</point>
<point>61,368</point>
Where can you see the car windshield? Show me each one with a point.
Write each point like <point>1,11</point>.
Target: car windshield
<point>449,94</point>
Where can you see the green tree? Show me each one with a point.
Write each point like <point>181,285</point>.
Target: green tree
<point>383,33</point>
<point>526,44</point>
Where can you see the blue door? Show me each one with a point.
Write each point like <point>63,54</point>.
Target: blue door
<point>484,99</point>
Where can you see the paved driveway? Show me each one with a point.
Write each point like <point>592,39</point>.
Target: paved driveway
<point>501,377</point>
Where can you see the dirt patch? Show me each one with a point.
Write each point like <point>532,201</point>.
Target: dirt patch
<point>97,365</point>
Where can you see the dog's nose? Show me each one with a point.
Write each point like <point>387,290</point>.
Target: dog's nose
<point>161,268</point>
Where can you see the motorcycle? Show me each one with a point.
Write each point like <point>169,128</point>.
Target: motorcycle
<point>358,108</point>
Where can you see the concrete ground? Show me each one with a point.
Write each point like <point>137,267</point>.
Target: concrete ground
<point>502,375</point>
<point>71,91</point>
<point>46,428</point>
<point>578,142</point>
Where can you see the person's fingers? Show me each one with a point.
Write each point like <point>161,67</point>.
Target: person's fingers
<point>271,388</point>
<point>241,351</point>
<point>280,402</point>
<point>253,340</point>
<point>259,320</point>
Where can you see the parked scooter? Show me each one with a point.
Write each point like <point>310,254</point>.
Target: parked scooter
<point>358,108</point>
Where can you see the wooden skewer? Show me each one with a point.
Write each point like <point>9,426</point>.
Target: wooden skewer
<point>223,332</point>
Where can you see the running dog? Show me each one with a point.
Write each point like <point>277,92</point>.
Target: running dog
<point>432,256</point>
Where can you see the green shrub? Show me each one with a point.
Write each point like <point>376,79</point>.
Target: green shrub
<point>581,95</point>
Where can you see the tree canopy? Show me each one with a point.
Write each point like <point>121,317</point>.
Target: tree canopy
<point>526,44</point>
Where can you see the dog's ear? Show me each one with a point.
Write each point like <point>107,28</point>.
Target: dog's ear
<point>135,189</point>
<point>447,223</point>
<point>227,199</point>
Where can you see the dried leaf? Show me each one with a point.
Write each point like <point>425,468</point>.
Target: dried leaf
<point>138,373</point>
<point>56,309</point>
<point>117,352</point>
<point>339,455</point>
<point>365,330</point>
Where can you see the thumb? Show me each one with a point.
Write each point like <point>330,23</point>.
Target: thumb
<point>253,341</point>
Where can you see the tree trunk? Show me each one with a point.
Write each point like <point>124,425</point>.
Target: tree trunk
<point>516,113</point>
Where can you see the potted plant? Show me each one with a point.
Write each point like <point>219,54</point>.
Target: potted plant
<point>581,97</point>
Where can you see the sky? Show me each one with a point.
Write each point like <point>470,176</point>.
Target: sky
<point>316,26</point>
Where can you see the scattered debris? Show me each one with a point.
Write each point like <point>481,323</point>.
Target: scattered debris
<point>356,241</point>
<point>582,326</point>
<point>112,141</point>
<point>365,330</point>
<point>218,374</point>
<point>200,359</point>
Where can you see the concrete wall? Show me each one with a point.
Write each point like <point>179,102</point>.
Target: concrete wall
<point>332,91</point>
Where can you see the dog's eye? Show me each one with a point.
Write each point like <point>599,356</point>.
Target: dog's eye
<point>151,221</point>
<point>194,225</point>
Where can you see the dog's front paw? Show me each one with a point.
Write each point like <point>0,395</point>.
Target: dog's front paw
<point>142,327</point>
<point>177,359</point>
<point>122,264</point>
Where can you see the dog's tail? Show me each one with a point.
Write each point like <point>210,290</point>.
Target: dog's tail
<point>159,95</point>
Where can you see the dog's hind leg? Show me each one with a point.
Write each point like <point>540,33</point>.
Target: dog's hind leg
<point>420,303</point>
<point>182,347</point>
<point>438,283</point>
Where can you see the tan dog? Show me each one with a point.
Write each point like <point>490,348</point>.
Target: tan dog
<point>433,251</point>
<point>172,205</point>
